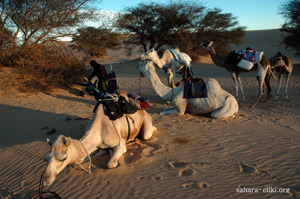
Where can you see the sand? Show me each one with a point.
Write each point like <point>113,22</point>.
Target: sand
<point>255,155</point>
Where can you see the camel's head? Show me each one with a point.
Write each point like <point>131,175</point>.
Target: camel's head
<point>149,55</point>
<point>58,158</point>
<point>277,60</point>
<point>206,45</point>
<point>145,67</point>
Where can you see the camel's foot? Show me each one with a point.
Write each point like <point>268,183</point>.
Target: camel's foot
<point>286,98</point>
<point>269,96</point>
<point>112,164</point>
<point>242,100</point>
<point>253,105</point>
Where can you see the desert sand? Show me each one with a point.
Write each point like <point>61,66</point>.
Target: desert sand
<point>255,155</point>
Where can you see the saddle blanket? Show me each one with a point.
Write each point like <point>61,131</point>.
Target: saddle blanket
<point>249,59</point>
<point>179,56</point>
<point>143,102</point>
<point>195,90</point>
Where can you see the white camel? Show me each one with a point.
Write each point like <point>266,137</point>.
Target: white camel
<point>172,58</point>
<point>282,65</point>
<point>262,68</point>
<point>219,103</point>
<point>101,132</point>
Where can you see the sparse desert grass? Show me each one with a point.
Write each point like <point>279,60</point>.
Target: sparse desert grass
<point>41,69</point>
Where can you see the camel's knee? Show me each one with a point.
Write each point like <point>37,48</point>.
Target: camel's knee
<point>149,132</point>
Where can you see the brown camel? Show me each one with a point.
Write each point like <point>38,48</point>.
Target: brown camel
<point>282,65</point>
<point>262,68</point>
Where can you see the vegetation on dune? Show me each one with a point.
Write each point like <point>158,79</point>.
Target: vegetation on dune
<point>179,24</point>
<point>29,40</point>
<point>95,41</point>
<point>30,31</point>
<point>290,10</point>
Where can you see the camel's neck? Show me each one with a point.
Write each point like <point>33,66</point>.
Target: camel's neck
<point>90,140</point>
<point>163,91</point>
<point>215,58</point>
<point>157,60</point>
<point>171,80</point>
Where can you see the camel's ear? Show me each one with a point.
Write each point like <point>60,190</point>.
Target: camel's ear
<point>49,141</point>
<point>66,141</point>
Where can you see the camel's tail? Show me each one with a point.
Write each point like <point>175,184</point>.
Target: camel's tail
<point>229,109</point>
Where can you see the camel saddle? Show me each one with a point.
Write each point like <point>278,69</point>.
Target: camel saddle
<point>195,89</point>
<point>116,109</point>
<point>249,58</point>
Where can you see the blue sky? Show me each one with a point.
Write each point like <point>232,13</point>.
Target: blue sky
<point>254,14</point>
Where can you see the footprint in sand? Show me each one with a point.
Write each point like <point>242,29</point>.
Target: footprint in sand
<point>185,169</point>
<point>156,178</point>
<point>195,185</point>
<point>187,172</point>
<point>247,169</point>
<point>252,170</point>
<point>177,164</point>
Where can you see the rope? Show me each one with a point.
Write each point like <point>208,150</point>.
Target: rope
<point>140,83</point>
<point>90,161</point>
<point>128,125</point>
<point>44,194</point>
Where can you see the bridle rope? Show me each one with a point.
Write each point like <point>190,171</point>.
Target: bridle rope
<point>90,161</point>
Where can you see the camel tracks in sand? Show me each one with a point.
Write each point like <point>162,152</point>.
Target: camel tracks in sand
<point>247,169</point>
<point>154,178</point>
<point>253,170</point>
<point>180,141</point>
<point>187,172</point>
<point>195,185</point>
<point>137,150</point>
<point>177,164</point>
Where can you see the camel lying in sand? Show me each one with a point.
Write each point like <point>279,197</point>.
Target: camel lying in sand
<point>218,103</point>
<point>282,65</point>
<point>170,59</point>
<point>101,132</point>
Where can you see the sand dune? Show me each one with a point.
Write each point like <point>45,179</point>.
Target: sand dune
<point>189,157</point>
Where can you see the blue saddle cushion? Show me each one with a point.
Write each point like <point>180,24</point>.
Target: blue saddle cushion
<point>195,90</point>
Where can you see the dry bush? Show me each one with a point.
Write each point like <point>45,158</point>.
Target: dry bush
<point>45,67</point>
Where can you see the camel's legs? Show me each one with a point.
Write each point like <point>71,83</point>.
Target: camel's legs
<point>148,128</point>
<point>287,78</point>
<point>279,85</point>
<point>241,87</point>
<point>261,77</point>
<point>236,85</point>
<point>267,81</point>
<point>118,151</point>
